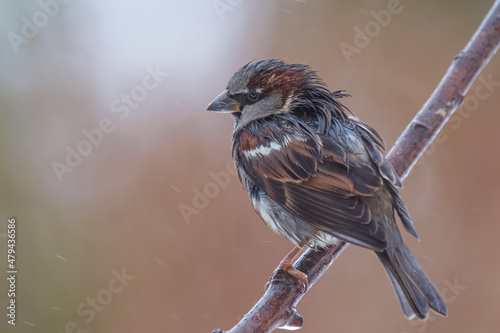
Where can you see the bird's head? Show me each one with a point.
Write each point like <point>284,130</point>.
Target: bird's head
<point>264,88</point>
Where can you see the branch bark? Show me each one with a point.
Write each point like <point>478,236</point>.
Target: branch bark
<point>276,308</point>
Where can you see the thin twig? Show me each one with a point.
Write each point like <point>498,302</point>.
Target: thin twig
<point>277,307</point>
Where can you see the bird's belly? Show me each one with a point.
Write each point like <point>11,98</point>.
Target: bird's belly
<point>292,227</point>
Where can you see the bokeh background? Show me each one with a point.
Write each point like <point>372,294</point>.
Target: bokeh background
<point>131,207</point>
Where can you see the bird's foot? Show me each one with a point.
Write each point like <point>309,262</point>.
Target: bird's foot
<point>299,275</point>
<point>286,265</point>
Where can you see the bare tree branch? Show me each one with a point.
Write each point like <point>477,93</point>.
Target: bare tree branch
<point>277,307</point>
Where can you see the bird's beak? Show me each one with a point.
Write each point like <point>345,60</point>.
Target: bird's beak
<point>224,103</point>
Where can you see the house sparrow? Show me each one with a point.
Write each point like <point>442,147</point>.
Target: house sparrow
<point>317,174</point>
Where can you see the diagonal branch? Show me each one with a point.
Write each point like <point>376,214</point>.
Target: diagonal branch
<point>276,308</point>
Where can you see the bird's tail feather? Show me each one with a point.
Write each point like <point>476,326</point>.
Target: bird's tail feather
<point>415,291</point>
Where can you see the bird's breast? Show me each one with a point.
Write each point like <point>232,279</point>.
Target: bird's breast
<point>248,141</point>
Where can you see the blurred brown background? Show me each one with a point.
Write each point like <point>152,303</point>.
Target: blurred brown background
<point>79,66</point>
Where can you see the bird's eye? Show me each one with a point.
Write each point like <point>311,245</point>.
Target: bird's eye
<point>253,96</point>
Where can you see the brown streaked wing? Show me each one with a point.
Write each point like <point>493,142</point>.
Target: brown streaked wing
<point>374,145</point>
<point>323,189</point>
